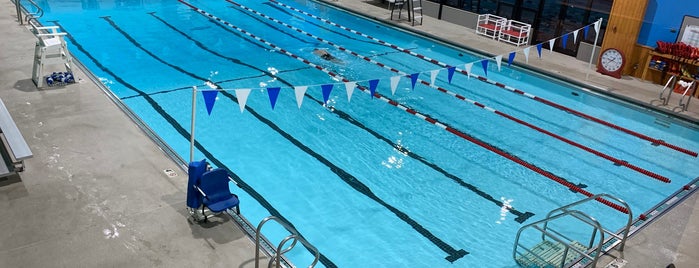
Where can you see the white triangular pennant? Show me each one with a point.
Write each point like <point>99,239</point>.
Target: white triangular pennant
<point>598,24</point>
<point>498,60</point>
<point>394,84</point>
<point>551,43</point>
<point>349,86</point>
<point>526,54</point>
<point>468,67</point>
<point>575,36</point>
<point>433,76</point>
<point>242,95</point>
<point>300,91</point>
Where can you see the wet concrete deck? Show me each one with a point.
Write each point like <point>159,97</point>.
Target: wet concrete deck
<point>86,201</point>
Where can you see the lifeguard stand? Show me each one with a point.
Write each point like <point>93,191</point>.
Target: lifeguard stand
<point>50,49</point>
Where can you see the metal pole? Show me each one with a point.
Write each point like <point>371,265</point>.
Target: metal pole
<point>191,135</point>
<point>19,12</point>
<point>592,55</point>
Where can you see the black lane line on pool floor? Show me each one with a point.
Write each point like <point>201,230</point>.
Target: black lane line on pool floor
<point>186,135</point>
<point>453,254</point>
<point>610,158</point>
<point>654,141</point>
<point>414,112</point>
<point>521,217</point>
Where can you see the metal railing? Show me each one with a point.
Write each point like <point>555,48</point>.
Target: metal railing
<point>279,252</point>
<point>38,13</point>
<point>594,249</point>
<point>691,89</point>
<point>667,88</point>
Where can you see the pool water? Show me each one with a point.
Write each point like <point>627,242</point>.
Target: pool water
<point>365,182</point>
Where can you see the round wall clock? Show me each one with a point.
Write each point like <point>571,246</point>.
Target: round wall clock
<point>611,62</point>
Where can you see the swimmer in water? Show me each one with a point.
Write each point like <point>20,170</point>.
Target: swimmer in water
<point>324,54</point>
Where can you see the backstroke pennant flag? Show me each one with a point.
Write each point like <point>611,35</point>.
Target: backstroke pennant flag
<point>467,68</point>
<point>526,54</point>
<point>433,76</point>
<point>413,79</point>
<point>349,87</point>
<point>598,24</point>
<point>575,36</point>
<point>586,29</point>
<point>538,48</point>
<point>551,43</point>
<point>394,83</point>
<point>450,73</point>
<point>498,60</point>
<point>372,86</point>
<point>299,91</point>
<point>511,58</point>
<point>564,40</point>
<point>273,93</point>
<point>242,95</point>
<point>484,63</point>
<point>209,99</point>
<point>327,88</point>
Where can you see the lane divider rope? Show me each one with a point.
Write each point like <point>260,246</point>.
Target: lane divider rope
<point>503,86</point>
<point>463,135</point>
<point>614,160</point>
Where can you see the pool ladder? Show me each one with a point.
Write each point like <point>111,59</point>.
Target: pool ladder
<point>278,253</point>
<point>687,94</point>
<point>30,15</point>
<point>555,249</point>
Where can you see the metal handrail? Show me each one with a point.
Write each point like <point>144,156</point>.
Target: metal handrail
<point>628,208</point>
<point>556,236</point>
<point>667,86</point>
<point>689,88</point>
<point>278,254</point>
<point>39,11</point>
<point>566,210</point>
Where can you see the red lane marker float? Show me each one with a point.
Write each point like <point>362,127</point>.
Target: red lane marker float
<point>474,140</point>
<point>616,161</point>
<point>511,89</point>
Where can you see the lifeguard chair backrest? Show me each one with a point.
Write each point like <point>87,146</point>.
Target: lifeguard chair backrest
<point>195,170</point>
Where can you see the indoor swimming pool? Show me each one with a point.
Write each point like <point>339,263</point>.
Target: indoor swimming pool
<point>370,140</point>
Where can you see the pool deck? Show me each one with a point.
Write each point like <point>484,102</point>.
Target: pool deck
<point>95,192</point>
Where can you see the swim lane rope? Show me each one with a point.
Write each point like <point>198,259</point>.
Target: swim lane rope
<point>614,160</point>
<point>465,136</point>
<point>503,86</point>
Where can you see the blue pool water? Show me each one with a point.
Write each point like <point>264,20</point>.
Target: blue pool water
<point>365,182</point>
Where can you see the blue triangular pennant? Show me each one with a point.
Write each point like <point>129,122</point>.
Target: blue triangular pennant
<point>538,48</point>
<point>450,73</point>
<point>209,99</point>
<point>273,93</point>
<point>564,39</point>
<point>511,58</point>
<point>413,79</point>
<point>586,29</point>
<point>372,86</point>
<point>484,63</point>
<point>326,92</point>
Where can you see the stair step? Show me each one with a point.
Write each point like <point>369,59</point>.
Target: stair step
<point>549,254</point>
